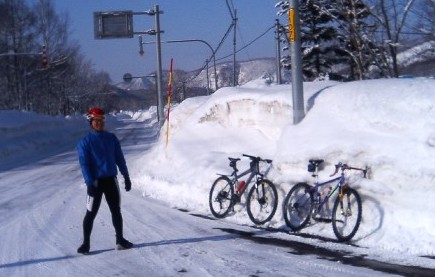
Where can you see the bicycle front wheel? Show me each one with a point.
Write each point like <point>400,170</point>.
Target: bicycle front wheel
<point>297,207</point>
<point>346,214</point>
<point>221,196</point>
<point>262,202</point>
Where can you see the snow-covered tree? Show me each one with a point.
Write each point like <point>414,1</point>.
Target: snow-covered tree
<point>319,39</point>
<point>393,16</point>
<point>356,36</point>
<point>319,43</point>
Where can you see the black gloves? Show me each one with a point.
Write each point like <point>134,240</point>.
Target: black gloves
<point>91,190</point>
<point>127,183</point>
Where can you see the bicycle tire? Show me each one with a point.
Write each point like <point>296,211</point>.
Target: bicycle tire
<point>297,207</point>
<point>262,202</point>
<point>221,196</point>
<point>345,222</point>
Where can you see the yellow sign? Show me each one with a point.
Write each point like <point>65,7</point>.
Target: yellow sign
<point>291,25</point>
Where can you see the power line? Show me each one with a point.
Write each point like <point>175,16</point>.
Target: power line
<point>249,44</point>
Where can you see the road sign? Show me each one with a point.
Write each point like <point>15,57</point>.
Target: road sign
<point>118,24</point>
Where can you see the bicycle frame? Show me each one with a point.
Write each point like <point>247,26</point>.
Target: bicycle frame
<point>341,180</point>
<point>317,185</point>
<point>234,177</point>
<point>261,199</point>
<point>307,201</point>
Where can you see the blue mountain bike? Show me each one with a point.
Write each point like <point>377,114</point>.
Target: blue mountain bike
<point>305,202</point>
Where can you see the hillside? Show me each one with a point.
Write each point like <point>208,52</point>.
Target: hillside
<point>247,71</point>
<point>417,61</point>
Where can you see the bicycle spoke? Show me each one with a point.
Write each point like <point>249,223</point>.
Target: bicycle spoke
<point>262,202</point>
<point>297,207</point>
<point>221,197</point>
<point>347,215</point>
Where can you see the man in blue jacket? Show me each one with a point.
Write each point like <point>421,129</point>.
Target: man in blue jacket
<point>100,155</point>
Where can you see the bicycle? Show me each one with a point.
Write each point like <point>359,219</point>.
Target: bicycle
<point>305,201</point>
<point>262,199</point>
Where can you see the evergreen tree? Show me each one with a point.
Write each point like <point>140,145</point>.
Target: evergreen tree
<point>318,36</point>
<point>321,49</point>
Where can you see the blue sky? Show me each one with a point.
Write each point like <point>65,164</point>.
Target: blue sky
<point>181,19</point>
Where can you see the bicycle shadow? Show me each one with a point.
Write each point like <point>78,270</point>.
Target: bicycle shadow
<point>372,218</point>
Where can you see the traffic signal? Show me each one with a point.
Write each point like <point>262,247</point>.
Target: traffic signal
<point>44,57</point>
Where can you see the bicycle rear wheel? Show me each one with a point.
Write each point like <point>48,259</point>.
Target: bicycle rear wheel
<point>262,202</point>
<point>297,207</point>
<point>346,214</point>
<point>221,196</point>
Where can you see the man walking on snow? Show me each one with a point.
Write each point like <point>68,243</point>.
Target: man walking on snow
<point>99,155</point>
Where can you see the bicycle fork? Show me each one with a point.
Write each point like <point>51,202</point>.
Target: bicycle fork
<point>261,193</point>
<point>342,198</point>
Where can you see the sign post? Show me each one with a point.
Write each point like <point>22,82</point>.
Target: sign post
<point>119,24</point>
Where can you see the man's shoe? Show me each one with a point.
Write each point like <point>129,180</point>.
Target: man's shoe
<point>83,249</point>
<point>123,244</point>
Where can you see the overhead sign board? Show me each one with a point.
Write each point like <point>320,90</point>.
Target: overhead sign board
<point>116,24</point>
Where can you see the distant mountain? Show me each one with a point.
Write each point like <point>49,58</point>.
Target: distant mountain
<point>136,84</point>
<point>416,61</point>
<point>245,72</point>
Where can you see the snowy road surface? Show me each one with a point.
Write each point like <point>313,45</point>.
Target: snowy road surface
<point>42,206</point>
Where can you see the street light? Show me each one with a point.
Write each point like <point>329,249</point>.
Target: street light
<point>141,52</point>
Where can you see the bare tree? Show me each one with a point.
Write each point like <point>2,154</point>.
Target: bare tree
<point>425,12</point>
<point>16,43</point>
<point>393,16</point>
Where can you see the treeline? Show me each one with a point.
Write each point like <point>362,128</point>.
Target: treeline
<point>358,39</point>
<point>40,68</point>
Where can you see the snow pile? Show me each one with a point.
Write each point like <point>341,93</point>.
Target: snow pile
<point>26,135</point>
<point>388,125</point>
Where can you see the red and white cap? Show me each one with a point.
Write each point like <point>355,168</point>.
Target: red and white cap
<point>95,113</point>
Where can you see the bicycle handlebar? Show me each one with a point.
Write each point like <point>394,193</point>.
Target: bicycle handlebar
<point>257,158</point>
<point>254,163</point>
<point>344,167</point>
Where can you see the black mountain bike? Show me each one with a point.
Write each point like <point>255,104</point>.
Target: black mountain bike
<point>226,191</point>
<point>307,201</point>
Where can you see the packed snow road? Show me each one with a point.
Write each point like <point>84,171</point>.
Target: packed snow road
<point>42,206</point>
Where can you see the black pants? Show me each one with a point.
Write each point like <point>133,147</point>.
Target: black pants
<point>110,188</point>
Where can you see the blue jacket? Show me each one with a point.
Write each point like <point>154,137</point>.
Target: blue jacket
<point>99,155</point>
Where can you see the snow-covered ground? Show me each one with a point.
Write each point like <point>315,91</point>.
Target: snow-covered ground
<point>388,125</point>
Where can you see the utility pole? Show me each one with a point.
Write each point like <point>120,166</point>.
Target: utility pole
<point>234,48</point>
<point>159,67</point>
<point>278,53</point>
<point>296,62</point>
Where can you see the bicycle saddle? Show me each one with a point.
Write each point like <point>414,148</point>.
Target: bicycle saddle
<point>316,162</point>
<point>313,164</point>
